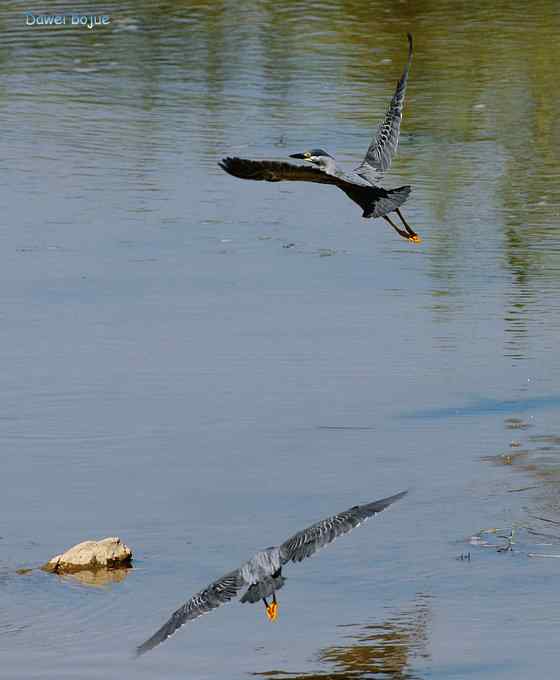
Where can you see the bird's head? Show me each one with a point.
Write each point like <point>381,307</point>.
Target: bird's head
<point>316,156</point>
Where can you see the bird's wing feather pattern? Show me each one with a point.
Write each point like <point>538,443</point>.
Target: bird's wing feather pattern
<point>384,145</point>
<point>278,171</point>
<point>217,593</point>
<point>306,542</point>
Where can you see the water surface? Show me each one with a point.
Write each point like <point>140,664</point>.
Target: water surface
<point>203,366</point>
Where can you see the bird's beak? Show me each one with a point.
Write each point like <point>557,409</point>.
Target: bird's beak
<point>301,156</point>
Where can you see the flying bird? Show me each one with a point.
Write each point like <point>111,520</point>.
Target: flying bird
<point>361,184</point>
<point>263,572</point>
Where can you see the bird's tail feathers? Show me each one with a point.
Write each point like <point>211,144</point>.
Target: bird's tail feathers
<point>263,588</point>
<point>385,204</point>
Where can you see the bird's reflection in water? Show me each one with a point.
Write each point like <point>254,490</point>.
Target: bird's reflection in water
<point>377,650</point>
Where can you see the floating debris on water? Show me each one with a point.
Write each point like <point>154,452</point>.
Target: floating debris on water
<point>507,458</point>
<point>522,536</point>
<point>517,424</point>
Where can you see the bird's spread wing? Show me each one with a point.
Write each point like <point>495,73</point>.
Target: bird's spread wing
<point>213,596</point>
<point>306,542</point>
<point>277,171</point>
<point>384,145</point>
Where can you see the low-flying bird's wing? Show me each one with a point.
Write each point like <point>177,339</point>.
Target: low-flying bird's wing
<point>306,542</point>
<point>213,596</point>
<point>384,145</point>
<point>279,171</point>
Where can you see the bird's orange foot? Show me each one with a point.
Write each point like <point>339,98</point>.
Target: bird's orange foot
<point>415,239</point>
<point>272,611</point>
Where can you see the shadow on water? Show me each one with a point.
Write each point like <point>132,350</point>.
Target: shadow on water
<point>486,407</point>
<point>374,650</point>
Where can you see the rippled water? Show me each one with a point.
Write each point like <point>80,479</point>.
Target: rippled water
<point>202,365</point>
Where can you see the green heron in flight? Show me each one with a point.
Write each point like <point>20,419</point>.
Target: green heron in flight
<point>263,572</point>
<point>359,185</point>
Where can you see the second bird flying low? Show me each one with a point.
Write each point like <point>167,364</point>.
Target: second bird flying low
<point>263,572</point>
<point>360,185</point>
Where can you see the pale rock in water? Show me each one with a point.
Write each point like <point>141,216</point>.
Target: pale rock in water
<point>107,553</point>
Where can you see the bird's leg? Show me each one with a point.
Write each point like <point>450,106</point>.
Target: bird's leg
<point>272,608</point>
<point>400,232</point>
<point>413,236</point>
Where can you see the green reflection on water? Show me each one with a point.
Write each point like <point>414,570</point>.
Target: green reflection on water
<point>387,649</point>
<point>481,134</point>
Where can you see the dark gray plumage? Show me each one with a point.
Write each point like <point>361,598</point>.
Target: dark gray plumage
<point>361,185</point>
<point>375,201</point>
<point>263,572</point>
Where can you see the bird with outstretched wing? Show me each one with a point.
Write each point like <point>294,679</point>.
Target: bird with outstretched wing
<point>262,574</point>
<point>361,186</point>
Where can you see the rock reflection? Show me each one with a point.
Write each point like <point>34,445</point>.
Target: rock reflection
<point>98,578</point>
<point>375,650</point>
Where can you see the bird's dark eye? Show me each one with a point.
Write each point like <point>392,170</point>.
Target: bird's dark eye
<point>307,154</point>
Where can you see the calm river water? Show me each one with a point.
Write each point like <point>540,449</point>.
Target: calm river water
<point>202,365</point>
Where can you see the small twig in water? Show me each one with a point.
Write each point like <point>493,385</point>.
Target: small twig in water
<point>524,488</point>
<point>541,533</point>
<point>544,519</point>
